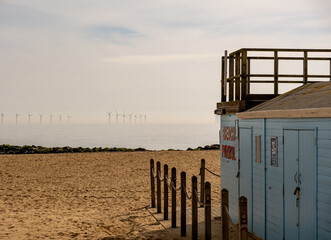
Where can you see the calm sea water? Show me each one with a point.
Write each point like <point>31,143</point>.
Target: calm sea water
<point>149,136</point>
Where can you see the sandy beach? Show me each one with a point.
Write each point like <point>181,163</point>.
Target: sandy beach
<point>89,195</point>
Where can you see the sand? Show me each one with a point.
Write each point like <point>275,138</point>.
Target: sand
<point>89,195</point>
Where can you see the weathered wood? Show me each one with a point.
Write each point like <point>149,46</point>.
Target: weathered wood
<point>223,94</point>
<point>202,181</point>
<point>183,204</point>
<point>173,198</point>
<point>152,183</point>
<point>330,70</point>
<point>248,76</point>
<point>207,211</point>
<point>158,186</point>
<point>225,73</point>
<point>289,58</point>
<point>165,190</point>
<point>291,75</point>
<point>194,208</point>
<point>244,75</point>
<point>237,80</point>
<point>225,217</point>
<point>231,74</point>
<point>275,72</point>
<point>243,228</point>
<point>305,67</point>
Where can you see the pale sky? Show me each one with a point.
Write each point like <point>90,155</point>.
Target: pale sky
<point>160,58</point>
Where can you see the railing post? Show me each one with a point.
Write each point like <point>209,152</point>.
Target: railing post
<point>248,76</point>
<point>330,70</point>
<point>165,188</point>
<point>225,217</point>
<point>173,198</point>
<point>194,208</point>
<point>202,181</point>
<point>223,93</point>
<point>276,72</point>
<point>183,204</point>
<point>158,187</point>
<point>237,89</point>
<point>225,73</point>
<point>152,183</point>
<point>243,75</point>
<point>207,211</point>
<point>231,74</point>
<point>305,67</point>
<point>243,231</point>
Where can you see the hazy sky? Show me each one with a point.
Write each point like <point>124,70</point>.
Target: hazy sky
<point>160,58</point>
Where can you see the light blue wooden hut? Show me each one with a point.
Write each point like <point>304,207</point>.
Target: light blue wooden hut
<point>277,153</point>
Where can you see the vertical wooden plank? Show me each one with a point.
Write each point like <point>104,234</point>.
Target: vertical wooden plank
<point>173,198</point>
<point>305,67</point>
<point>225,73</point>
<point>225,217</point>
<point>244,75</point>
<point>231,74</point>
<point>165,189</point>
<point>330,70</point>
<point>237,91</point>
<point>194,208</point>
<point>223,97</point>
<point>158,187</point>
<point>183,204</point>
<point>152,183</point>
<point>248,76</point>
<point>275,72</point>
<point>243,229</point>
<point>207,211</point>
<point>202,181</point>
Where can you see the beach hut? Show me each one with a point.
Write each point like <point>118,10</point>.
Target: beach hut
<point>276,148</point>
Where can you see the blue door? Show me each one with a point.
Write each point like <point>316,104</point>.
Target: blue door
<point>245,171</point>
<point>299,185</point>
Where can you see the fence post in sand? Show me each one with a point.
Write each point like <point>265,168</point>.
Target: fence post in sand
<point>202,182</point>
<point>173,198</point>
<point>165,188</point>
<point>182,204</point>
<point>207,211</point>
<point>194,208</point>
<point>158,187</point>
<point>225,217</point>
<point>243,232</point>
<point>152,183</point>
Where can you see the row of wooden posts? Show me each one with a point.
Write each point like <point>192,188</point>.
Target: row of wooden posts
<point>205,201</point>
<point>205,197</point>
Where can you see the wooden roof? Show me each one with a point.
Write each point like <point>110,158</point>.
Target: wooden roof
<point>307,101</point>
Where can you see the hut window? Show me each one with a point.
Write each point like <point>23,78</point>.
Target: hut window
<point>258,149</point>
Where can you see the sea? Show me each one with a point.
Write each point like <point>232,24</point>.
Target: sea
<point>149,136</point>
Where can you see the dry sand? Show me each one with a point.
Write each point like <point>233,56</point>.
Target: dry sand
<point>89,195</point>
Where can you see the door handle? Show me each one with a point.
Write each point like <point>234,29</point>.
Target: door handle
<point>297,191</point>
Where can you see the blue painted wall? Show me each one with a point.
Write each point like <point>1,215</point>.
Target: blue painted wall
<point>267,181</point>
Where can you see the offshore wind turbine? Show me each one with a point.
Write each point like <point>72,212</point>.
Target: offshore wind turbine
<point>130,117</point>
<point>40,118</point>
<point>145,118</point>
<point>29,115</point>
<point>109,115</point>
<point>69,119</point>
<point>117,114</point>
<point>60,118</point>
<point>135,118</point>
<point>124,116</point>
<point>2,116</point>
<point>140,117</point>
<point>16,115</point>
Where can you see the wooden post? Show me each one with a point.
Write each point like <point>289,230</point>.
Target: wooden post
<point>305,67</point>
<point>231,74</point>
<point>248,75</point>
<point>158,187</point>
<point>202,181</point>
<point>225,73</point>
<point>173,198</point>
<point>223,93</point>
<point>275,72</point>
<point>243,229</point>
<point>207,211</point>
<point>165,188</point>
<point>330,70</point>
<point>183,204</point>
<point>152,183</point>
<point>237,89</point>
<point>225,217</point>
<point>194,208</point>
<point>244,75</point>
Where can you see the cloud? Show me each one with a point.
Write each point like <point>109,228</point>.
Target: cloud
<point>150,59</point>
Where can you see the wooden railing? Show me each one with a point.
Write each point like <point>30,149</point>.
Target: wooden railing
<point>237,77</point>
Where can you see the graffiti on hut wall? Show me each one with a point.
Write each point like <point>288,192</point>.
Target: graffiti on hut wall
<point>228,151</point>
